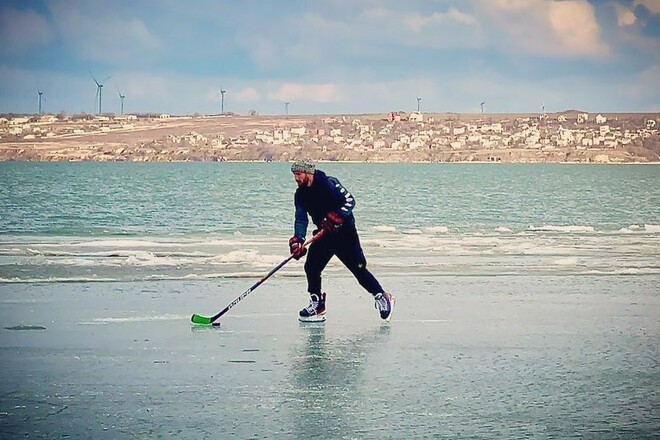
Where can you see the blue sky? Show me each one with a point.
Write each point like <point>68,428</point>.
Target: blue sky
<point>330,56</point>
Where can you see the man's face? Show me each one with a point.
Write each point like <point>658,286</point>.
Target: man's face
<point>302,179</point>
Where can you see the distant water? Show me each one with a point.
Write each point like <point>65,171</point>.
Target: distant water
<point>127,221</point>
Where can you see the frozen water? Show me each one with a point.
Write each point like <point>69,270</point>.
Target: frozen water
<point>463,357</point>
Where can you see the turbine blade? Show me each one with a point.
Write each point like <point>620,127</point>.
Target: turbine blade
<point>92,75</point>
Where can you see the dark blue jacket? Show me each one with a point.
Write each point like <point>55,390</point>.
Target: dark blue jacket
<point>326,194</point>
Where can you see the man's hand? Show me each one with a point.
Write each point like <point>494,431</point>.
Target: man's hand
<point>332,222</point>
<point>296,247</point>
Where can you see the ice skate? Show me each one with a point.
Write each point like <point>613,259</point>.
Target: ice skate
<point>315,311</point>
<point>384,305</point>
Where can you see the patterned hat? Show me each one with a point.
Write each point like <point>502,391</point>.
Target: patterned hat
<point>303,166</point>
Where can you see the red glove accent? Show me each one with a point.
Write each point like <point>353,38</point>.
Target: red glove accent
<point>332,222</point>
<point>296,247</point>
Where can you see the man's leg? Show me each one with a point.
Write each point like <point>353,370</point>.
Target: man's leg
<point>349,251</point>
<point>318,256</point>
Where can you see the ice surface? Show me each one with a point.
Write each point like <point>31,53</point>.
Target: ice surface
<point>463,357</point>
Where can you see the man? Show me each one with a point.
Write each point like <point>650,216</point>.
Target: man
<point>330,206</point>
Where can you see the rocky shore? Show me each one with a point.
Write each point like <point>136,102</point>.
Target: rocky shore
<point>394,137</point>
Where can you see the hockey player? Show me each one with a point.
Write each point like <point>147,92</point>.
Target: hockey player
<point>330,206</point>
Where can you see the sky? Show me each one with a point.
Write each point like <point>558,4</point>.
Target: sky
<point>330,56</point>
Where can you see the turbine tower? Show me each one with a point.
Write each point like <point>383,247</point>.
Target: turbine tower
<point>286,108</point>
<point>222,101</point>
<point>121,98</point>
<point>99,90</point>
<point>418,100</point>
<point>482,106</point>
<point>40,96</point>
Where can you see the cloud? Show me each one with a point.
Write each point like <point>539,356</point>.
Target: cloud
<point>638,28</point>
<point>651,5</point>
<point>313,39</point>
<point>104,36</point>
<point>22,30</point>
<point>247,94</point>
<point>418,22</point>
<point>564,29</point>
<point>319,93</point>
<point>625,17</point>
<point>644,84</point>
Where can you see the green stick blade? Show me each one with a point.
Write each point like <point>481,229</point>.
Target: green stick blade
<point>199,319</point>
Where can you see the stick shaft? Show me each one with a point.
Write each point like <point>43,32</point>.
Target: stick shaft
<point>254,286</point>
<point>261,281</point>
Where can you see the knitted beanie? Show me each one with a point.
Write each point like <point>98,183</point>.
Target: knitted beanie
<point>303,166</point>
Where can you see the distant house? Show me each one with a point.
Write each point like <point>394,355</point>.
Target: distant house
<point>125,118</point>
<point>18,120</point>
<point>164,116</point>
<point>48,119</point>
<point>394,117</point>
<point>582,118</point>
<point>298,131</point>
<point>416,117</point>
<point>600,119</point>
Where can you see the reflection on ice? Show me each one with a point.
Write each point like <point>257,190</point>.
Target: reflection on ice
<point>327,382</point>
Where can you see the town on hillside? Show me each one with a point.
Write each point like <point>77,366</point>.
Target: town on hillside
<point>571,136</point>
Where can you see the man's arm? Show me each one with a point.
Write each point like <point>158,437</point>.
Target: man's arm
<point>301,220</point>
<point>343,197</point>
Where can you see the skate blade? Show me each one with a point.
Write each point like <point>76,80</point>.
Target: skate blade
<point>315,318</point>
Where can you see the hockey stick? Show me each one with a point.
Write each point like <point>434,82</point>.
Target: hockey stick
<point>199,319</point>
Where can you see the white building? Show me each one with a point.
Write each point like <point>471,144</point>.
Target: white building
<point>416,117</point>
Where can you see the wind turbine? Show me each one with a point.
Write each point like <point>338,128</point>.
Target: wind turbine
<point>222,101</point>
<point>99,89</point>
<point>121,97</point>
<point>418,100</point>
<point>286,108</point>
<point>40,93</point>
<point>482,106</point>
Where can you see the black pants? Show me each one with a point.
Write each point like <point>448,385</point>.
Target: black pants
<point>345,244</point>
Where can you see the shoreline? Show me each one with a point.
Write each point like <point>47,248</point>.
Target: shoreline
<point>414,138</point>
<point>322,161</point>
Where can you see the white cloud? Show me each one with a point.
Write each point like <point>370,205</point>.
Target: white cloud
<point>319,93</point>
<point>418,22</point>
<point>575,26</point>
<point>247,94</point>
<point>548,28</point>
<point>313,39</point>
<point>624,16</point>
